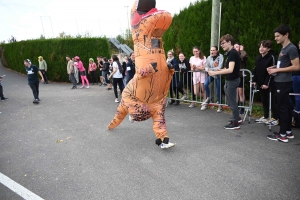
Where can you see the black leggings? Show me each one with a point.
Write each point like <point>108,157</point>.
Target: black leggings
<point>94,77</point>
<point>118,81</point>
<point>35,89</point>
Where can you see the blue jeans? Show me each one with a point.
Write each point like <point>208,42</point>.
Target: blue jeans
<point>210,79</point>
<point>296,89</point>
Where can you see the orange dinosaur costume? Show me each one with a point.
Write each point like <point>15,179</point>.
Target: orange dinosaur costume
<point>145,95</point>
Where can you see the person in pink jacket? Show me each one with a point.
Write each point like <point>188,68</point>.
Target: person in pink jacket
<point>82,72</point>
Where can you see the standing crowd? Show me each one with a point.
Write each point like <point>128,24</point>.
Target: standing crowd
<point>275,80</point>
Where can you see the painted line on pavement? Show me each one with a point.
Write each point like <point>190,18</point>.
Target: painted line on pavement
<point>17,188</point>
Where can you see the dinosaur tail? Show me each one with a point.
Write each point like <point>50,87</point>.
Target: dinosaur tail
<point>120,115</point>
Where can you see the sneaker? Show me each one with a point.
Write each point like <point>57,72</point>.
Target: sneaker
<point>130,119</point>
<point>261,120</point>
<point>100,84</point>
<point>166,146</point>
<point>272,122</point>
<point>290,135</point>
<point>277,137</point>
<point>116,100</point>
<point>184,97</point>
<point>3,99</point>
<point>38,99</point>
<point>232,126</point>
<point>203,107</point>
<point>35,101</point>
<point>82,87</point>
<point>88,87</point>
<point>192,105</point>
<point>207,100</point>
<point>283,138</point>
<point>220,109</point>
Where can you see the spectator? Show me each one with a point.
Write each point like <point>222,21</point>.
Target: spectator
<point>82,72</point>
<point>263,81</point>
<point>1,90</point>
<point>93,71</point>
<point>33,80</point>
<point>75,64</point>
<point>232,68</point>
<point>117,76</point>
<point>214,62</point>
<point>186,77</point>
<point>43,68</point>
<point>173,64</point>
<point>130,68</point>
<point>70,71</point>
<point>100,66</point>
<point>296,85</point>
<point>288,62</point>
<point>197,63</point>
<point>106,73</point>
<point>123,61</point>
<point>241,93</point>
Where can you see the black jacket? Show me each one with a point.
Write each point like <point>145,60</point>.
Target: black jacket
<point>130,73</point>
<point>260,73</point>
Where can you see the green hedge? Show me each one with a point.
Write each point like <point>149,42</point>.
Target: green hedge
<point>54,52</point>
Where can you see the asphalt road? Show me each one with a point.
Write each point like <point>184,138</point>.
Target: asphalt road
<point>61,150</point>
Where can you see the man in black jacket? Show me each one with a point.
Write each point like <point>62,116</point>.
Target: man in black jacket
<point>263,81</point>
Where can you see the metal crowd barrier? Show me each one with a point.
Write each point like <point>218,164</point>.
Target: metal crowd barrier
<point>186,82</point>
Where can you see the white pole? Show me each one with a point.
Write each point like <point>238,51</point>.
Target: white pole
<point>43,26</point>
<point>220,25</point>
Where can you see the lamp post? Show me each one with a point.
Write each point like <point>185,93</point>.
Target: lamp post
<point>127,20</point>
<point>50,23</point>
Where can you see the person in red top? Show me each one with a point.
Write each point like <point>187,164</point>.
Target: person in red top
<point>82,72</point>
<point>92,70</point>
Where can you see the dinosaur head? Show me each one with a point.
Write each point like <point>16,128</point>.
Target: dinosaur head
<point>140,9</point>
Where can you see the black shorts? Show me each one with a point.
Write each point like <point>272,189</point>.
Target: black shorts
<point>82,73</point>
<point>241,82</point>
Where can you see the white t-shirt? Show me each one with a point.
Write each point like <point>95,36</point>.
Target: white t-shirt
<point>117,74</point>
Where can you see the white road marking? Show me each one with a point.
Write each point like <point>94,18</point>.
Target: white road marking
<point>17,188</point>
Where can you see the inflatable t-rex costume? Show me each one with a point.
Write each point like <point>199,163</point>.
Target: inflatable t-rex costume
<point>145,95</point>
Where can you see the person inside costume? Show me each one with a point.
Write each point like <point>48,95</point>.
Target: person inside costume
<point>145,94</point>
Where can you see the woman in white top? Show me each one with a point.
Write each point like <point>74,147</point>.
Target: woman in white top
<point>117,76</point>
<point>197,63</point>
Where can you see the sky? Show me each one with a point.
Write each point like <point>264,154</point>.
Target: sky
<point>29,19</point>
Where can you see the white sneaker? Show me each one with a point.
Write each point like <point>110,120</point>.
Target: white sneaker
<point>192,105</point>
<point>88,87</point>
<point>272,122</point>
<point>203,107</point>
<point>184,97</point>
<point>207,100</point>
<point>219,109</point>
<point>130,119</point>
<point>261,120</point>
<point>82,87</point>
<point>116,100</point>
<point>166,146</point>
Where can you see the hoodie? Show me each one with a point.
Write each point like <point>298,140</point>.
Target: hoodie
<point>260,73</point>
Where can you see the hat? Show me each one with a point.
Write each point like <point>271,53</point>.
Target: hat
<point>27,60</point>
<point>91,59</point>
<point>77,57</point>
